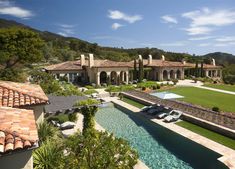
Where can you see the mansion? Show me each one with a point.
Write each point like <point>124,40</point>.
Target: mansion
<point>90,70</point>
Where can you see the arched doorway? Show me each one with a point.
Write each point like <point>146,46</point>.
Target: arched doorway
<point>113,78</point>
<point>172,74</point>
<point>165,75</point>
<point>178,73</point>
<point>103,77</point>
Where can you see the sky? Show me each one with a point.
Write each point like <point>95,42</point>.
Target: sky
<point>189,26</point>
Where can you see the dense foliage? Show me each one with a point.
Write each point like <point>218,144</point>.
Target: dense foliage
<point>229,74</point>
<point>88,109</point>
<point>99,150</point>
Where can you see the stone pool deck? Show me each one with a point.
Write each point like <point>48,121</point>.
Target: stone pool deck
<point>139,165</point>
<point>228,154</point>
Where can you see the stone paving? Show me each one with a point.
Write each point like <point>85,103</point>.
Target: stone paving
<point>228,155</point>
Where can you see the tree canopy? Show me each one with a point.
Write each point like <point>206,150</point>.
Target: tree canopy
<point>18,45</point>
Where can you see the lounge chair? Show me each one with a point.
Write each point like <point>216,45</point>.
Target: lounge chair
<point>174,115</point>
<point>164,113</point>
<point>67,125</point>
<point>145,108</point>
<point>155,110</point>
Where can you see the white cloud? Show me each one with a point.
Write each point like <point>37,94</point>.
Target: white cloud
<point>201,38</point>
<point>115,26</point>
<point>9,8</point>
<point>169,19</point>
<point>198,30</point>
<point>174,44</point>
<point>118,15</point>
<point>226,39</point>
<point>204,44</point>
<point>205,20</point>
<point>66,29</point>
<point>62,34</point>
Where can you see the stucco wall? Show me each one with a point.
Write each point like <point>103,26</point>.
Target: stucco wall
<point>19,160</point>
<point>38,112</point>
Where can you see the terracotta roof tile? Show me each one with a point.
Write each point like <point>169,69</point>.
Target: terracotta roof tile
<point>69,65</point>
<point>20,94</point>
<point>17,129</point>
<point>110,63</point>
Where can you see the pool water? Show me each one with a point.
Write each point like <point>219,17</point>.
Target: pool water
<point>157,146</point>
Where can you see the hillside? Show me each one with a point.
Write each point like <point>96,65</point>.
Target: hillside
<point>59,48</point>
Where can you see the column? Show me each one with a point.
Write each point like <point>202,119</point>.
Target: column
<point>168,75</point>
<point>206,73</point>
<point>118,78</point>
<point>68,77</point>
<point>175,75</point>
<point>108,78</point>
<point>98,78</point>
<point>160,75</point>
<point>127,77</point>
<point>220,73</point>
<point>182,74</point>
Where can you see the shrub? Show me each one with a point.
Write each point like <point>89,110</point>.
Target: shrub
<point>90,91</point>
<point>73,117</point>
<point>216,109</point>
<point>158,86</point>
<point>61,118</point>
<point>89,87</point>
<point>143,88</point>
<point>154,87</point>
<point>175,81</point>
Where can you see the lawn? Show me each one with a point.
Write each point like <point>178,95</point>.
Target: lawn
<point>208,134</point>
<point>132,102</point>
<point>222,86</point>
<point>206,98</point>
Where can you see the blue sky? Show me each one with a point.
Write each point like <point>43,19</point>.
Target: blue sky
<point>191,26</point>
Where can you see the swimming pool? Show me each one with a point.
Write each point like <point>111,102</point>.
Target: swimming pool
<point>157,146</point>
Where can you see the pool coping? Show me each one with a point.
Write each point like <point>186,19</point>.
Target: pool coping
<point>228,154</point>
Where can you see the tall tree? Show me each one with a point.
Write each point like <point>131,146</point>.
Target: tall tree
<point>135,70</point>
<point>18,45</point>
<point>141,70</point>
<point>202,72</point>
<point>196,69</point>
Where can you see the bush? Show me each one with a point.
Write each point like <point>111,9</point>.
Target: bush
<point>73,117</point>
<point>143,88</point>
<point>89,87</point>
<point>158,86</point>
<point>90,91</point>
<point>175,81</point>
<point>119,88</point>
<point>216,109</point>
<point>61,118</point>
<point>148,84</point>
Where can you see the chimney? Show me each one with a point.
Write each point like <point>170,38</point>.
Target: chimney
<point>163,58</point>
<point>213,62</point>
<point>140,57</point>
<point>82,60</point>
<point>91,60</point>
<point>150,60</point>
<point>183,61</point>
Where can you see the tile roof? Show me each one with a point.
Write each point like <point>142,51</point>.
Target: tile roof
<point>17,130</point>
<point>205,66</point>
<point>69,65</point>
<point>110,63</point>
<point>20,94</point>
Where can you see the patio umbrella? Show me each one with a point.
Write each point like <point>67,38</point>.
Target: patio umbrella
<point>166,95</point>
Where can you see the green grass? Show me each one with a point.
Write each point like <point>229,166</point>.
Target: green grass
<point>206,98</point>
<point>132,102</point>
<point>222,86</point>
<point>229,142</point>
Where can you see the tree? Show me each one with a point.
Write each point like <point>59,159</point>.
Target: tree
<point>47,131</point>
<point>202,72</point>
<point>18,45</point>
<point>135,70</point>
<point>99,150</point>
<point>141,70</point>
<point>49,155</point>
<point>196,69</point>
<point>88,109</point>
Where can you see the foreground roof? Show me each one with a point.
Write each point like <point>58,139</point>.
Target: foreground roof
<point>18,130</point>
<point>110,63</point>
<point>20,94</point>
